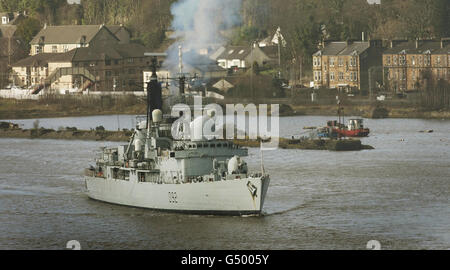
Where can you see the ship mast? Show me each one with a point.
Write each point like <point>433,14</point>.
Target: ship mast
<point>154,89</point>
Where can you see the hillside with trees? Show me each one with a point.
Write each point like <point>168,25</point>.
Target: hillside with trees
<point>304,23</point>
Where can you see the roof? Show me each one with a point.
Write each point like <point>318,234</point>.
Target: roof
<point>7,30</point>
<point>209,68</point>
<point>333,48</point>
<point>344,48</point>
<point>235,52</point>
<point>116,28</point>
<point>113,52</point>
<point>357,48</point>
<point>419,47</point>
<point>38,60</point>
<point>68,34</point>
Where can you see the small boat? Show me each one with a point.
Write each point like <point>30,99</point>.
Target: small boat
<point>354,128</point>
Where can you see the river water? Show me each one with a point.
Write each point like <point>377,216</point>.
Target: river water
<point>397,194</point>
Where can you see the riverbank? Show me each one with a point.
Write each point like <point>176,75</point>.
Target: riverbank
<point>74,107</point>
<point>367,111</point>
<point>124,136</point>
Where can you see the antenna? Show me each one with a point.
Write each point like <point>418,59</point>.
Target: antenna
<point>180,58</point>
<point>262,161</point>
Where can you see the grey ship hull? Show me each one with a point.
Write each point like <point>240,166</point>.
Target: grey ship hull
<point>228,197</point>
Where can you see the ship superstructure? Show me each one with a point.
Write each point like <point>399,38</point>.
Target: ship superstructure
<point>196,174</point>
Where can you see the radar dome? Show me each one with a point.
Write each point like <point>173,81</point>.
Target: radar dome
<point>157,116</point>
<point>233,165</point>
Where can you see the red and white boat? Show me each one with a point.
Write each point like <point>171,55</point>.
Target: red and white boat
<point>354,128</point>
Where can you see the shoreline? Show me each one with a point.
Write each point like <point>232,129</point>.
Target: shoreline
<point>19,110</point>
<point>124,136</point>
<point>398,113</point>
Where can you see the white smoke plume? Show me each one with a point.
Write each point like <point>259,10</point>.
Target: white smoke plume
<point>197,25</point>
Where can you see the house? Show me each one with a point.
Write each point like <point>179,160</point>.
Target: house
<point>10,18</point>
<point>60,39</point>
<point>242,57</point>
<point>116,67</point>
<point>406,64</point>
<point>347,65</point>
<point>273,40</point>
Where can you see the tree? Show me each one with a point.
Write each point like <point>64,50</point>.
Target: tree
<point>27,29</point>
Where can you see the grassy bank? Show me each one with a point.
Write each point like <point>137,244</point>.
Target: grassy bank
<point>67,106</point>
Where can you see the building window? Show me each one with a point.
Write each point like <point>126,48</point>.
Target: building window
<point>54,49</point>
<point>353,61</point>
<point>395,59</point>
<point>332,62</point>
<point>332,76</point>
<point>388,60</point>
<point>130,60</point>
<point>438,60</point>
<point>107,62</point>
<point>317,61</point>
<point>341,76</point>
<point>317,75</point>
<point>413,60</point>
<point>402,60</point>
<point>108,73</point>
<point>341,61</point>
<point>427,60</point>
<point>413,75</point>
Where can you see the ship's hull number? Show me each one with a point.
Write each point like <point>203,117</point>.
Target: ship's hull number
<point>173,198</point>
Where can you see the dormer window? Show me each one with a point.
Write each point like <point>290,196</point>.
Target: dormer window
<point>231,51</point>
<point>41,40</point>
<point>82,41</point>
<point>241,52</point>
<point>5,20</point>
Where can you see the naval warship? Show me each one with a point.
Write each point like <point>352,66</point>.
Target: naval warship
<point>196,174</point>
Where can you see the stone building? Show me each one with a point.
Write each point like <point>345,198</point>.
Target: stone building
<point>348,65</point>
<point>407,64</point>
